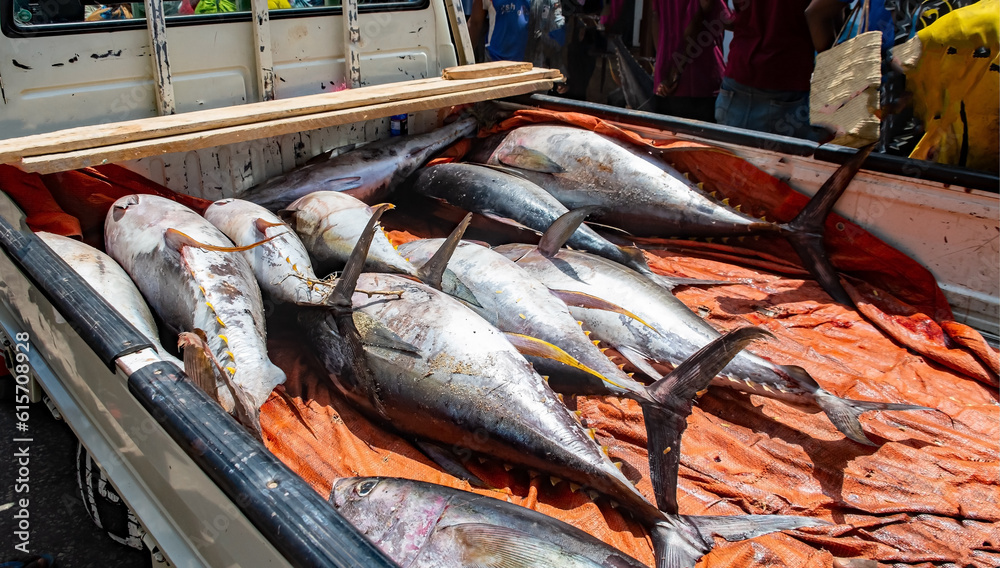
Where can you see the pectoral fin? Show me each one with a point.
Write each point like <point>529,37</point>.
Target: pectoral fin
<point>528,159</point>
<point>583,300</point>
<point>178,240</point>
<point>506,170</point>
<point>450,463</point>
<point>562,229</point>
<point>508,221</point>
<point>262,226</point>
<point>490,546</point>
<point>639,360</point>
<point>375,334</point>
<point>200,365</point>
<point>341,184</point>
<point>534,347</point>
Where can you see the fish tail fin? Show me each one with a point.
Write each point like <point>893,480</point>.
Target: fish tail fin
<point>844,413</point>
<point>674,394</point>
<point>432,271</point>
<point>679,542</point>
<point>676,545</point>
<point>805,231</point>
<point>698,370</point>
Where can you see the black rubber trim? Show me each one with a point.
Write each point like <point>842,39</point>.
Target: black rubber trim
<point>883,163</point>
<point>106,332</point>
<point>295,519</point>
<point>917,169</point>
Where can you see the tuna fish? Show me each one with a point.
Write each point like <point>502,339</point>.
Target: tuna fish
<point>645,197</point>
<point>330,225</point>
<point>678,333</point>
<point>463,384</point>
<point>540,325</point>
<point>195,279</point>
<point>111,283</point>
<point>423,525</point>
<point>369,173</point>
<point>281,265</point>
<point>536,320</point>
<point>503,194</point>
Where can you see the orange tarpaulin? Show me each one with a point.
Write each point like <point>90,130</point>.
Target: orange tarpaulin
<point>928,496</point>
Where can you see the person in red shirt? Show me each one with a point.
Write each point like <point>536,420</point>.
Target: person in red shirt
<point>689,60</point>
<point>765,85</point>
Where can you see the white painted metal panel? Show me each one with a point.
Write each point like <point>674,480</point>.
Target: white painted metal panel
<point>54,82</point>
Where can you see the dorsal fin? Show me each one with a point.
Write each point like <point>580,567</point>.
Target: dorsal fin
<point>562,229</point>
<point>348,281</point>
<point>432,271</point>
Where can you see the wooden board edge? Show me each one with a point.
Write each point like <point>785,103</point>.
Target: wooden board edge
<point>80,138</point>
<point>52,163</point>
<point>483,70</point>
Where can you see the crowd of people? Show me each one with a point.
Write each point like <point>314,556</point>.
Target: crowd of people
<point>761,84</point>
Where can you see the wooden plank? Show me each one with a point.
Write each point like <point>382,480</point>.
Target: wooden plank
<point>156,25</point>
<point>352,43</point>
<point>14,149</point>
<point>52,163</point>
<point>491,69</point>
<point>460,31</point>
<point>262,49</point>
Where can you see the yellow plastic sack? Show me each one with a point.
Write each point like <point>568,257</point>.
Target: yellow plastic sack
<point>951,69</point>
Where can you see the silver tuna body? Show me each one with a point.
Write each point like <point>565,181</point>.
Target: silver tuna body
<point>422,525</point>
<point>681,333</point>
<point>636,193</point>
<point>368,173</point>
<point>156,241</point>
<point>281,265</point>
<point>465,385</point>
<point>516,302</point>
<point>330,224</point>
<point>112,283</point>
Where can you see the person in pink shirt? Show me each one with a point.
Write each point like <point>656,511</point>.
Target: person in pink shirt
<point>765,86</point>
<point>689,61</point>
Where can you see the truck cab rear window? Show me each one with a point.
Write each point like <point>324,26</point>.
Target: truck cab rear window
<point>67,15</point>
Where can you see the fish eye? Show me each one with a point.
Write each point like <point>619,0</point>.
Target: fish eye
<point>366,487</point>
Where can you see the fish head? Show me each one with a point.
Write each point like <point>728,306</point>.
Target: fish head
<point>307,214</point>
<point>398,515</point>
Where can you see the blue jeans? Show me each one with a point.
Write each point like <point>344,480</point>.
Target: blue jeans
<point>764,110</point>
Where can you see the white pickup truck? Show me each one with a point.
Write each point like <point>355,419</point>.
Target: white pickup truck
<point>173,456</point>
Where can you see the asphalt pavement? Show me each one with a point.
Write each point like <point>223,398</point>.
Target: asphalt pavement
<point>57,520</point>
